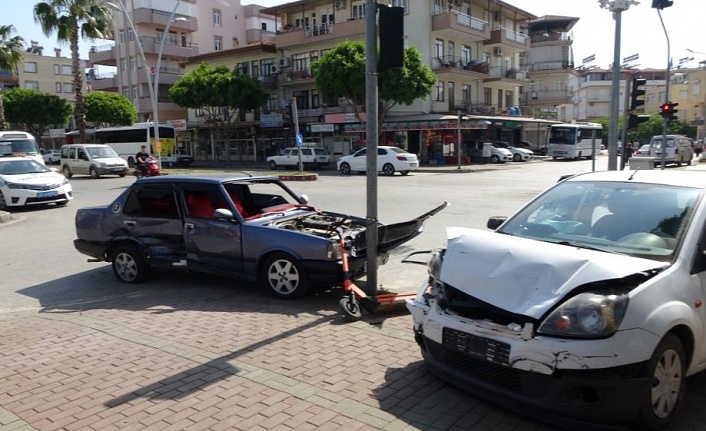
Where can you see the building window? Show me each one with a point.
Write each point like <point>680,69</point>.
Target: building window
<point>121,36</point>
<point>466,93</point>
<point>126,92</point>
<point>58,87</point>
<point>465,54</point>
<point>242,68</point>
<point>160,36</point>
<point>488,96</point>
<point>314,56</point>
<point>57,69</point>
<point>358,11</point>
<point>695,88</point>
<point>136,92</point>
<point>173,38</point>
<point>217,43</point>
<point>67,70</point>
<point>315,99</point>
<point>683,95</point>
<point>439,47</point>
<point>439,91</point>
<point>68,88</point>
<point>451,49</point>
<point>31,67</point>
<point>400,3</point>
<point>272,103</point>
<point>217,17</point>
<point>263,26</point>
<point>131,35</point>
<point>236,42</point>
<point>32,85</point>
<point>123,64</point>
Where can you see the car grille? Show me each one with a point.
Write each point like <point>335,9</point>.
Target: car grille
<point>39,187</point>
<point>523,382</point>
<point>470,307</point>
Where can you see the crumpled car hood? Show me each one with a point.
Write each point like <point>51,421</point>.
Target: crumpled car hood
<point>526,276</point>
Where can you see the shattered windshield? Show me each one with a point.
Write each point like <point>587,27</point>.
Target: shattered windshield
<point>642,220</point>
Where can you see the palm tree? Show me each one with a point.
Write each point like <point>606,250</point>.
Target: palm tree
<point>10,57</point>
<point>66,18</point>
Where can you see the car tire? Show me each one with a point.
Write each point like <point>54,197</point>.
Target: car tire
<point>122,175</point>
<point>3,202</point>
<point>388,169</point>
<point>93,172</point>
<point>516,158</point>
<point>283,276</point>
<point>66,170</point>
<point>131,162</point>
<point>494,159</point>
<point>404,172</point>
<point>273,165</point>
<point>129,265</point>
<point>667,370</point>
<point>345,168</point>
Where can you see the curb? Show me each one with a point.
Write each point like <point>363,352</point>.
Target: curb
<point>5,217</point>
<point>306,177</point>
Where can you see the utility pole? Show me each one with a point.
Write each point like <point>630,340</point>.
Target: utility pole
<point>371,144</point>
<point>667,78</point>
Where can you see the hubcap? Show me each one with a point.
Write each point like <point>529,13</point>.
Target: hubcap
<point>126,267</point>
<point>283,277</point>
<point>667,384</point>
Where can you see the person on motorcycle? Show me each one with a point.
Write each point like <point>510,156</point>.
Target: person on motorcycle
<point>141,158</point>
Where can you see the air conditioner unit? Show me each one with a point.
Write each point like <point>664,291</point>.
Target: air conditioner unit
<point>340,4</point>
<point>284,62</point>
<point>498,51</point>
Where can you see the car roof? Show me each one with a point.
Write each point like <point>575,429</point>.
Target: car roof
<point>203,179</point>
<point>648,176</point>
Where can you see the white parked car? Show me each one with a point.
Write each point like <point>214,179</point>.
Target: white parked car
<point>51,156</point>
<point>315,158</point>
<point>24,181</point>
<point>587,303</point>
<point>390,160</point>
<point>518,154</point>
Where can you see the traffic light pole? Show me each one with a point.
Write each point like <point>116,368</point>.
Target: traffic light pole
<point>371,145</point>
<point>626,120</point>
<point>665,120</point>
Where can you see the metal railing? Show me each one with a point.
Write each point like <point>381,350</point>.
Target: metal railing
<point>469,21</point>
<point>520,38</point>
<point>449,61</point>
<point>100,48</point>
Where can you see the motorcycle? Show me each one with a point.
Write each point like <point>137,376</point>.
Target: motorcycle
<point>150,168</point>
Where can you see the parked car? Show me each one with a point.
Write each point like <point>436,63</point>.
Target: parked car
<point>311,158</point>
<point>518,154</point>
<point>586,303</point>
<point>25,182</point>
<point>486,152</point>
<point>51,156</point>
<point>643,151</point>
<point>251,228</point>
<point>390,160</point>
<point>91,159</point>
<point>179,158</point>
<point>679,149</point>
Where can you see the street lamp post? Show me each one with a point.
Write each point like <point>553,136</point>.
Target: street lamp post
<point>153,87</point>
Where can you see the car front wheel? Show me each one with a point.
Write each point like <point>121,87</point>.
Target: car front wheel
<point>3,203</point>
<point>283,275</point>
<point>666,370</point>
<point>494,159</point>
<point>93,172</point>
<point>517,158</point>
<point>130,265</point>
<point>273,165</point>
<point>67,171</point>
<point>345,168</point>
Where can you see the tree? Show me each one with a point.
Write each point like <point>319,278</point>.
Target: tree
<point>67,18</point>
<point>221,94</point>
<point>10,57</point>
<point>110,109</point>
<point>340,73</point>
<point>35,110</point>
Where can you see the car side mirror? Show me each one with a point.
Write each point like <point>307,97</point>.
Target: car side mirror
<point>495,222</point>
<point>223,213</point>
<point>304,199</point>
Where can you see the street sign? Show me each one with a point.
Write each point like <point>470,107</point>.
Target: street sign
<point>152,69</point>
<point>300,140</point>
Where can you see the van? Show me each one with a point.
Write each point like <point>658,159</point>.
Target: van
<point>91,159</point>
<point>679,149</point>
<point>19,144</point>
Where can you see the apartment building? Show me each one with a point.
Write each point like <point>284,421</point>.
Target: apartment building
<point>145,36</point>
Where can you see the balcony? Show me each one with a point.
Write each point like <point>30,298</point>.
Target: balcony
<point>450,24</point>
<point>167,76</point>
<point>546,97</point>
<point>291,36</point>
<point>107,82</point>
<point>506,38</point>
<point>255,35</point>
<point>507,77</point>
<point>151,46</point>
<point>452,67</point>
<point>290,77</point>
<point>268,81</point>
<point>104,55</point>
<point>547,66</point>
<point>159,18</point>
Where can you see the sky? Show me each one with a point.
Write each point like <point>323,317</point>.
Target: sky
<point>594,34</point>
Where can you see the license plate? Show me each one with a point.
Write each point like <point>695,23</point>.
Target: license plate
<point>46,194</point>
<point>414,165</point>
<point>478,347</point>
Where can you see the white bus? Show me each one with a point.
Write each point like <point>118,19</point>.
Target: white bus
<point>127,140</point>
<point>16,144</point>
<point>574,141</point>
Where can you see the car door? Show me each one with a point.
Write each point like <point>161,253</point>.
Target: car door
<point>386,156</point>
<point>358,162</point>
<point>151,217</point>
<point>81,161</point>
<point>212,244</point>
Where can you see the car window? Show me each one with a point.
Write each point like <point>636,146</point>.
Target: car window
<point>321,152</point>
<point>151,202</point>
<point>360,153</point>
<point>203,201</point>
<point>382,152</point>
<point>398,150</point>
<point>306,152</point>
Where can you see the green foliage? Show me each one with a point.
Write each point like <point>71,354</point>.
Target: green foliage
<point>10,48</point>
<point>645,131</point>
<point>219,92</point>
<point>340,73</point>
<point>110,109</point>
<point>35,110</point>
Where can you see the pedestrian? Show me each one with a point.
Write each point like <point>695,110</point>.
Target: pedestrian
<point>629,151</point>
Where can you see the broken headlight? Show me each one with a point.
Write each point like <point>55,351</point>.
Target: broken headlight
<point>333,251</point>
<point>587,315</point>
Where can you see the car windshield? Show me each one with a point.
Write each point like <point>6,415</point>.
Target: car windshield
<point>657,143</point>
<point>20,167</point>
<point>101,152</point>
<point>399,150</point>
<point>642,220</point>
<point>20,146</point>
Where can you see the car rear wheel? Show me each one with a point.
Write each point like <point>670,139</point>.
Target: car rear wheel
<point>388,169</point>
<point>93,172</point>
<point>130,265</point>
<point>66,170</point>
<point>666,369</point>
<point>345,168</point>
<point>516,157</point>
<point>273,165</point>
<point>283,275</point>
<point>3,203</point>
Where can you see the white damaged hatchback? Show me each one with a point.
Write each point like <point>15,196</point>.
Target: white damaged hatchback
<point>587,304</point>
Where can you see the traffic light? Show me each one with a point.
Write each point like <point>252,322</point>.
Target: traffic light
<point>668,111</point>
<point>635,120</point>
<point>391,31</point>
<point>661,4</point>
<point>636,100</point>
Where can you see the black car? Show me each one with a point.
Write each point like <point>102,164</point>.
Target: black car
<point>253,228</point>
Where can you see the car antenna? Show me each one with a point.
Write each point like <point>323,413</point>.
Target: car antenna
<point>633,174</point>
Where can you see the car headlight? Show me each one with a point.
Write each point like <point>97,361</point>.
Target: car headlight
<point>64,181</point>
<point>587,315</point>
<point>101,164</point>
<point>14,185</point>
<point>333,251</point>
<point>434,267</point>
